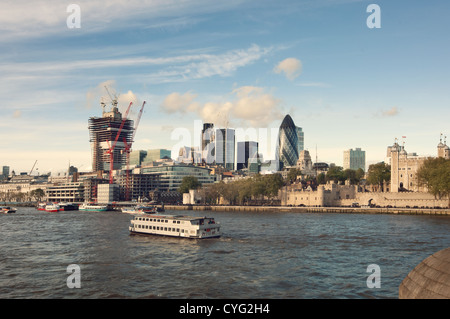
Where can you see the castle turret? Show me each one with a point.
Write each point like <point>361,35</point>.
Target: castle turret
<point>442,149</point>
<point>395,154</point>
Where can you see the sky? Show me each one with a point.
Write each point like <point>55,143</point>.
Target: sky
<point>237,63</point>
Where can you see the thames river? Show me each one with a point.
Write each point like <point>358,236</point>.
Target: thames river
<point>260,255</point>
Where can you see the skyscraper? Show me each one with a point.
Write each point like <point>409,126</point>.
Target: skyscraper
<point>301,139</point>
<point>247,153</point>
<point>103,132</point>
<point>225,147</point>
<point>290,143</point>
<point>354,159</point>
<point>207,143</point>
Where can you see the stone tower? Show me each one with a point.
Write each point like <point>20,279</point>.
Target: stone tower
<point>395,155</point>
<point>442,149</point>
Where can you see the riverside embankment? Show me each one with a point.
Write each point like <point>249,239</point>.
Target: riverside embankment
<point>354,210</point>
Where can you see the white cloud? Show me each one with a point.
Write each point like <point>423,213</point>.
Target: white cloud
<point>176,102</point>
<point>291,67</point>
<point>40,18</point>
<point>17,114</point>
<point>252,106</point>
<point>165,69</point>
<point>106,92</point>
<point>313,84</point>
<point>391,112</point>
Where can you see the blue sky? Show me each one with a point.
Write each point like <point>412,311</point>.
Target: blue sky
<point>245,64</point>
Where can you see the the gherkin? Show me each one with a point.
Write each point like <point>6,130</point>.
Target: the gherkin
<point>289,144</point>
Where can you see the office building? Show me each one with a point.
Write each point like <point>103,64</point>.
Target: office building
<point>170,175</point>
<point>157,154</point>
<point>103,132</point>
<point>290,143</point>
<point>207,143</point>
<point>5,171</point>
<point>225,148</point>
<point>189,155</point>
<point>137,158</point>
<point>107,193</point>
<point>70,192</point>
<point>355,159</point>
<point>247,154</point>
<point>301,139</point>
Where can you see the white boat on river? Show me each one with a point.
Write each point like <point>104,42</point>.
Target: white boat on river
<point>175,226</point>
<point>93,207</point>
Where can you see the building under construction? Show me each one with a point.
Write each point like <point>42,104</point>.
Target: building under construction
<point>110,134</point>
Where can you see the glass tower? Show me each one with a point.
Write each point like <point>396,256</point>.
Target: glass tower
<point>225,147</point>
<point>290,143</point>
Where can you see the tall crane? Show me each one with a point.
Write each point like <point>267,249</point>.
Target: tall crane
<point>128,151</point>
<point>33,167</point>
<point>110,151</point>
<point>114,100</point>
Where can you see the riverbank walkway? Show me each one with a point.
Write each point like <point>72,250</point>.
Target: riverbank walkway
<point>355,210</point>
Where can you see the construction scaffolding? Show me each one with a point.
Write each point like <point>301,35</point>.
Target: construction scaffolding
<point>103,133</point>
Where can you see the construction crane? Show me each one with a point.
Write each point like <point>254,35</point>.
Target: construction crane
<point>114,100</point>
<point>128,151</point>
<point>110,151</point>
<point>33,167</point>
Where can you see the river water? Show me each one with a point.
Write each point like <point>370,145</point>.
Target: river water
<point>260,255</point>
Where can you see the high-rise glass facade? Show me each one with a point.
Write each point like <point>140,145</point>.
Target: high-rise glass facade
<point>354,159</point>
<point>207,143</point>
<point>247,154</point>
<point>290,143</point>
<point>225,148</point>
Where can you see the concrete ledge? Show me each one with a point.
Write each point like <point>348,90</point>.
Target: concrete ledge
<point>355,210</point>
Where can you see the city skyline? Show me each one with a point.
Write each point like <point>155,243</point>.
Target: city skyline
<point>238,64</point>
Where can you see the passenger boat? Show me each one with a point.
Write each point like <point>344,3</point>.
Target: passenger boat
<point>139,210</point>
<point>67,206</point>
<point>175,226</point>
<point>8,209</point>
<point>41,206</point>
<point>52,208</point>
<point>93,207</point>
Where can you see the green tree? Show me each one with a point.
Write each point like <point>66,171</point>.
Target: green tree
<point>435,175</point>
<point>321,178</point>
<point>292,175</point>
<point>273,183</point>
<point>37,194</point>
<point>359,174</point>
<point>378,174</point>
<point>336,174</point>
<point>230,192</point>
<point>189,182</point>
<point>354,176</point>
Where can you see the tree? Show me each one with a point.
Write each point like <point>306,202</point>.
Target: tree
<point>353,175</point>
<point>321,178</point>
<point>435,175</point>
<point>359,174</point>
<point>336,174</point>
<point>292,175</point>
<point>37,194</point>
<point>189,182</point>
<point>273,183</point>
<point>378,174</point>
